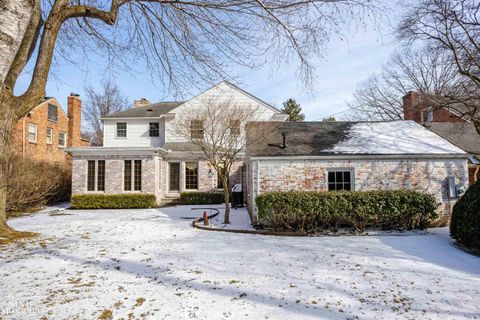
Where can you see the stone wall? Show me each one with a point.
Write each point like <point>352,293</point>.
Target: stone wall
<point>311,175</point>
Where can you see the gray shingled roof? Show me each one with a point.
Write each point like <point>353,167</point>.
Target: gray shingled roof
<point>152,110</point>
<point>181,146</point>
<point>349,138</point>
<point>463,135</point>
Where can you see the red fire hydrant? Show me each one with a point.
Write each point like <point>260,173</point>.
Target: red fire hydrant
<point>205,218</point>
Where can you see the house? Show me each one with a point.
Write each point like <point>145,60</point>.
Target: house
<point>321,156</point>
<point>447,123</point>
<point>142,151</point>
<point>45,132</point>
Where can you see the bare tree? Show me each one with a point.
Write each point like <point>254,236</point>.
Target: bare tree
<point>218,129</point>
<point>100,103</point>
<point>184,43</point>
<point>452,27</point>
<point>380,96</point>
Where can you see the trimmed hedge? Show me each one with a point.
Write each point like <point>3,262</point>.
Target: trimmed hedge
<point>201,198</point>
<point>315,211</point>
<point>113,201</point>
<point>465,223</point>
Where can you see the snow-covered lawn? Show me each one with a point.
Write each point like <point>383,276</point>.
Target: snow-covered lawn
<point>151,264</point>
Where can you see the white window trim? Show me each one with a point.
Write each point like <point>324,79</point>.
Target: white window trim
<point>64,145</point>
<point>51,135</point>
<point>185,176</point>
<point>33,125</point>
<point>116,130</point>
<point>352,176</point>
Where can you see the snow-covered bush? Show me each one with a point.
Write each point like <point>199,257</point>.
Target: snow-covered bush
<point>113,201</point>
<point>315,211</point>
<point>33,184</point>
<point>190,198</point>
<point>465,223</point>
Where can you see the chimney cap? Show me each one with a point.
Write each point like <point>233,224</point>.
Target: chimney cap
<point>72,94</point>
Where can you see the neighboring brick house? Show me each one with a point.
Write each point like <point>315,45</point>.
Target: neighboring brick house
<point>143,153</point>
<point>45,132</point>
<point>448,124</point>
<point>321,156</point>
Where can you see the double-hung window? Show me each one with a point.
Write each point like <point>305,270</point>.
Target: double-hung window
<point>121,129</point>
<point>132,175</point>
<point>220,173</point>
<point>340,179</point>
<point>32,132</point>
<point>234,127</point>
<point>196,129</point>
<point>154,129</point>
<point>49,135</point>
<point>96,175</point>
<point>62,140</point>
<point>191,175</point>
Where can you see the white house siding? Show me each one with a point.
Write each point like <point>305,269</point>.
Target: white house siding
<point>137,133</point>
<point>427,175</point>
<point>220,93</point>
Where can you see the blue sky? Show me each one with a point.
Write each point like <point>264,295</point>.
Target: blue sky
<point>345,65</point>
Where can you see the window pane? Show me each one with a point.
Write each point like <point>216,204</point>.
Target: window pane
<point>52,113</point>
<point>331,177</point>
<point>174,176</point>
<point>101,175</point>
<point>127,175</point>
<point>191,175</point>
<point>331,187</point>
<point>138,175</point>
<point>122,129</point>
<point>154,129</point>
<point>91,176</point>
<point>235,127</point>
<point>338,176</point>
<point>347,186</point>
<point>346,176</point>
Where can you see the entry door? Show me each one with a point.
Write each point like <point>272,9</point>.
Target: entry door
<point>174,176</point>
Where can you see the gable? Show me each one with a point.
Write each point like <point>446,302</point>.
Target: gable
<point>227,92</point>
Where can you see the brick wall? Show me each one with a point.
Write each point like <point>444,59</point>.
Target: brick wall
<point>414,105</point>
<point>41,150</point>
<point>311,175</point>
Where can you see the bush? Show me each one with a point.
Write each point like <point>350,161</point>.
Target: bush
<point>315,211</point>
<point>465,223</point>
<point>33,184</point>
<point>201,198</point>
<point>113,201</point>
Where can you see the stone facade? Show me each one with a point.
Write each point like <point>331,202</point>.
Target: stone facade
<point>40,149</point>
<point>155,175</point>
<point>425,175</point>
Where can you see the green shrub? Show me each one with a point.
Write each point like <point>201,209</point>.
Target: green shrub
<point>201,198</point>
<point>465,223</point>
<point>113,201</point>
<point>314,211</point>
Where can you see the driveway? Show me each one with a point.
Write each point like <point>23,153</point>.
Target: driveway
<point>150,264</point>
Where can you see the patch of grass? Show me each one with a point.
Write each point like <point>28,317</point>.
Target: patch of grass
<point>106,315</point>
<point>139,302</point>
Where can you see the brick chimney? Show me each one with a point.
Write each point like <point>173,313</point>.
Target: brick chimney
<point>74,120</point>
<point>410,106</point>
<point>142,102</point>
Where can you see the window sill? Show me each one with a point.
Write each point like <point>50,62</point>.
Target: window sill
<point>121,138</point>
<point>33,142</point>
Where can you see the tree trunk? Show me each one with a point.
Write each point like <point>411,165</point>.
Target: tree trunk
<point>226,197</point>
<point>15,16</point>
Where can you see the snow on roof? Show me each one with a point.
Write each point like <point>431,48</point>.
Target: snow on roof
<point>393,137</point>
